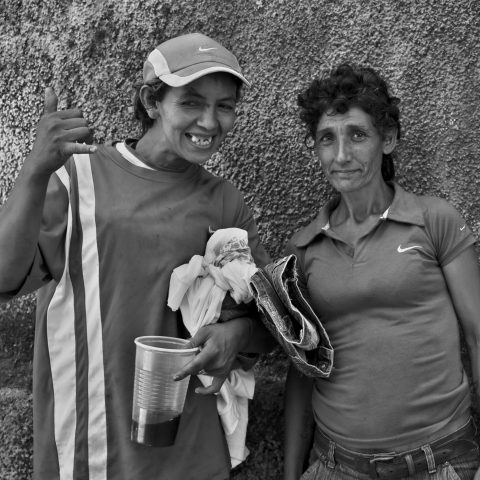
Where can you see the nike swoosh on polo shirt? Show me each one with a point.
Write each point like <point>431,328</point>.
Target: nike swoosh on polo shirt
<point>401,250</point>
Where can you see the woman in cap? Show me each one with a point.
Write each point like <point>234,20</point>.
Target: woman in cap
<point>391,275</point>
<point>98,230</point>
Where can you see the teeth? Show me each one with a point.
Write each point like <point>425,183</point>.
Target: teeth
<point>201,141</point>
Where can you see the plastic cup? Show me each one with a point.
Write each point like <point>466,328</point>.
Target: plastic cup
<point>157,399</point>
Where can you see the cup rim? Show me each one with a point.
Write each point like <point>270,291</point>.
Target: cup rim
<point>138,341</point>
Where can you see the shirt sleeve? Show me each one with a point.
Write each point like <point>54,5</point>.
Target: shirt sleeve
<point>49,259</point>
<point>448,230</point>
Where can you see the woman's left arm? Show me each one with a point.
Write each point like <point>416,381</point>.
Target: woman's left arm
<point>462,275</point>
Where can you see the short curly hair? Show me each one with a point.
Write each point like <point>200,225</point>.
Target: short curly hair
<point>348,86</point>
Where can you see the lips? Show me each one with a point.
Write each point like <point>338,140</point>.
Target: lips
<point>344,172</point>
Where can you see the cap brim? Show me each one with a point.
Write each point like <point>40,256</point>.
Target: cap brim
<point>179,80</point>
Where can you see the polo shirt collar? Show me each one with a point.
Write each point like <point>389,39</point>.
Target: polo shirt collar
<point>405,208</point>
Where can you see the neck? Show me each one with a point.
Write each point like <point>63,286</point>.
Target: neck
<point>360,205</point>
<point>150,150</point>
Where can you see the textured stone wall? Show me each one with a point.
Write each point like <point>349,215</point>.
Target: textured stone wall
<point>92,51</point>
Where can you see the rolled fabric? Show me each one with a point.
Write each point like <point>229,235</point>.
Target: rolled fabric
<point>290,319</point>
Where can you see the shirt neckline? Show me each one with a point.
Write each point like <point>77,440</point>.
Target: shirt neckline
<point>138,167</point>
<point>404,208</point>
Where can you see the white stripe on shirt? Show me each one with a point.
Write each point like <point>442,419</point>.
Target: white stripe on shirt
<point>61,348</point>
<point>129,156</point>
<point>97,425</point>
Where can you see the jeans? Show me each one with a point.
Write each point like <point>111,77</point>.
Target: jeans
<point>290,319</point>
<point>462,467</point>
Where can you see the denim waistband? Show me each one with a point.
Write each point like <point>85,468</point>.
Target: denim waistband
<point>394,465</point>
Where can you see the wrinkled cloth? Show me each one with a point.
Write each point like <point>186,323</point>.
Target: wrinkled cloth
<point>198,288</point>
<point>290,319</point>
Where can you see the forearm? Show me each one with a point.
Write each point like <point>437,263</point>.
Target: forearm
<point>252,334</point>
<point>20,221</point>
<point>260,340</point>
<point>299,423</point>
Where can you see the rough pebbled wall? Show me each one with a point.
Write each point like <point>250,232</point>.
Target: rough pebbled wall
<point>91,51</point>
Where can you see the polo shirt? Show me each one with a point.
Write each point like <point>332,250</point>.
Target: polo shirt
<point>397,378</point>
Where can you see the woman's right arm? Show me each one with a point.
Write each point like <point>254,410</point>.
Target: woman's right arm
<point>21,216</point>
<point>299,423</point>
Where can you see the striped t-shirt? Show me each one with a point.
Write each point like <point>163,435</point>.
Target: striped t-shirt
<point>112,232</point>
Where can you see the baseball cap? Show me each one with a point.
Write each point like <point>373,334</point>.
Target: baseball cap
<point>183,59</point>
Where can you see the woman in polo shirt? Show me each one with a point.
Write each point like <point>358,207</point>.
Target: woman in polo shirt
<point>100,228</point>
<point>391,275</point>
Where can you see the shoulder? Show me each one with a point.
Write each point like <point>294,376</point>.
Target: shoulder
<point>308,233</point>
<point>106,150</point>
<point>221,186</point>
<point>434,207</point>
<point>444,224</point>
<point>419,209</point>
<point>304,236</point>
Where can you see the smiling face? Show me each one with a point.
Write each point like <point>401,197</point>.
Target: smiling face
<point>192,121</point>
<point>350,149</point>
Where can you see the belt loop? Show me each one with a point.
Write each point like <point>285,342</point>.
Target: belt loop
<point>331,454</point>
<point>410,464</point>
<point>430,459</point>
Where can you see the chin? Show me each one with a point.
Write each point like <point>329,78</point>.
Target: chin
<point>344,186</point>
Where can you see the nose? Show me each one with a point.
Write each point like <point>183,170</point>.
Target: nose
<point>343,154</point>
<point>208,119</point>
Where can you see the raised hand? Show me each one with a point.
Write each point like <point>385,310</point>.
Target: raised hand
<point>59,135</point>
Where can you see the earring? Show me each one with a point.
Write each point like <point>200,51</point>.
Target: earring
<point>151,112</point>
<point>309,142</point>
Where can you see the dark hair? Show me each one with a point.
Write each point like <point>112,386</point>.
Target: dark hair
<point>348,86</point>
<point>158,90</point>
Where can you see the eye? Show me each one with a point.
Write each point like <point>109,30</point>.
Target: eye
<point>191,103</point>
<point>359,135</point>
<point>227,107</point>
<point>324,138</point>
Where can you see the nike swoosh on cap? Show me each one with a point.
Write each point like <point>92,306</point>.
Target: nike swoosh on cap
<point>401,250</point>
<point>201,49</point>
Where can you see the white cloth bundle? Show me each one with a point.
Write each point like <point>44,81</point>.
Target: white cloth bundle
<point>198,288</point>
